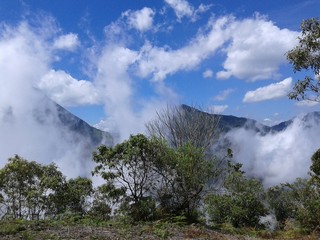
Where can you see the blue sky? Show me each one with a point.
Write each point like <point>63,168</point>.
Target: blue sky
<point>114,63</point>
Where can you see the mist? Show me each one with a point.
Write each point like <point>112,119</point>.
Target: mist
<point>29,118</point>
<point>29,123</point>
<point>278,157</point>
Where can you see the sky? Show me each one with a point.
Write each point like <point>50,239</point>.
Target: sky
<point>116,63</point>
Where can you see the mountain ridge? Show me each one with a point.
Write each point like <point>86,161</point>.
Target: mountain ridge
<point>229,122</point>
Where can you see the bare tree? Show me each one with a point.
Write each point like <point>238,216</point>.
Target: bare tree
<point>183,124</point>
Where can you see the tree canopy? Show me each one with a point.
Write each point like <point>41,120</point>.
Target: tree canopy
<point>306,56</point>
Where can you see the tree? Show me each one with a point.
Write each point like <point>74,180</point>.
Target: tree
<point>129,169</point>
<point>315,165</point>
<point>27,187</point>
<point>77,191</point>
<point>179,125</point>
<point>306,56</point>
<point>241,202</point>
<point>142,172</point>
<point>282,201</point>
<point>299,201</point>
<point>18,183</point>
<point>186,177</point>
<point>101,204</point>
<point>185,181</point>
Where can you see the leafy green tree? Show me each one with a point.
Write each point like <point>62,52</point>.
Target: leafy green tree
<point>308,212</point>
<point>187,172</point>
<point>241,202</point>
<point>77,192</point>
<point>18,182</point>
<point>186,181</point>
<point>315,165</point>
<point>102,202</point>
<point>129,169</point>
<point>299,200</point>
<point>26,187</point>
<point>281,202</point>
<point>306,57</point>
<point>49,184</point>
<point>52,184</point>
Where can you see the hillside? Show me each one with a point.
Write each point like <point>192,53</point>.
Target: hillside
<point>85,131</point>
<point>230,122</point>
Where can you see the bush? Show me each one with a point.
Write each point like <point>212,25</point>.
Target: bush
<point>241,204</point>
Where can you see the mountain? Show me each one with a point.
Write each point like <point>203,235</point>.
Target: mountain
<point>52,114</point>
<point>229,122</point>
<point>83,129</point>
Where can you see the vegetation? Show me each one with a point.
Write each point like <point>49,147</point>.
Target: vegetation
<point>240,202</point>
<point>37,201</point>
<point>306,57</point>
<point>156,189</point>
<point>141,172</point>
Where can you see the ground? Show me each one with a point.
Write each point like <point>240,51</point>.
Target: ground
<point>39,230</point>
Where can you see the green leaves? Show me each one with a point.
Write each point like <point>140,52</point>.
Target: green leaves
<point>306,56</point>
<point>129,169</point>
<point>142,167</point>
<point>241,203</point>
<point>26,187</point>
<point>315,166</point>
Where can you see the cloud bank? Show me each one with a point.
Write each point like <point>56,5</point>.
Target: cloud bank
<point>277,157</point>
<point>29,122</point>
<point>117,68</point>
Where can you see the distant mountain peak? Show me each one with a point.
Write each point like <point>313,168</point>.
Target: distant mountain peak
<point>229,122</point>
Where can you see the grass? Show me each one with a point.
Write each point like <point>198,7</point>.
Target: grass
<point>91,229</point>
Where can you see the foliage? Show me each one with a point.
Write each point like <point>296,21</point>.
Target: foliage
<point>186,182</point>
<point>100,208</point>
<point>187,172</point>
<point>241,203</point>
<point>299,200</point>
<point>30,190</point>
<point>142,172</point>
<point>306,57</point>
<point>27,188</point>
<point>280,199</point>
<point>76,193</point>
<point>315,165</point>
<point>129,169</point>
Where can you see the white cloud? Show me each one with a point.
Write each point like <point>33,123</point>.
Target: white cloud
<point>257,49</point>
<point>224,94</point>
<point>218,109</point>
<point>207,73</point>
<point>141,20</point>
<point>183,8</point>
<point>68,91</point>
<point>276,157</point>
<point>272,91</point>
<point>307,103</point>
<point>29,121</point>
<point>127,111</point>
<point>67,42</point>
<point>255,52</point>
<point>160,62</point>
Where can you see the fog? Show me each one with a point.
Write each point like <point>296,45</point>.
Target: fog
<point>29,123</point>
<point>277,157</point>
<point>30,127</point>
